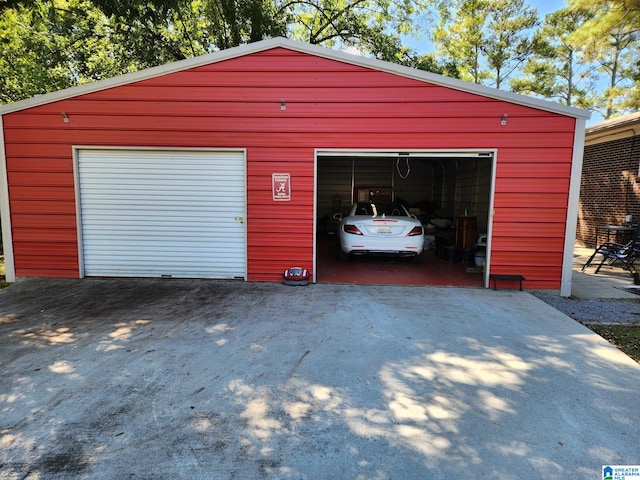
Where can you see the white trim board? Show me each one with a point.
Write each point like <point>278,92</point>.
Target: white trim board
<point>5,214</point>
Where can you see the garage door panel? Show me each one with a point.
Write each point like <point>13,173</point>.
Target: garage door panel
<point>140,219</point>
<point>162,213</point>
<point>143,244</point>
<point>130,267</point>
<point>133,257</point>
<point>100,210</point>
<point>157,186</point>
<point>134,251</point>
<point>162,198</point>
<point>171,238</point>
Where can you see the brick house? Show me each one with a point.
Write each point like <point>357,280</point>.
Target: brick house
<point>610,186</point>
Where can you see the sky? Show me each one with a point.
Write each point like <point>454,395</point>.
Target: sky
<point>547,6</point>
<point>544,7</point>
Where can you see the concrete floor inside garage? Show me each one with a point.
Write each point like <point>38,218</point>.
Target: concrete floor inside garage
<point>433,270</point>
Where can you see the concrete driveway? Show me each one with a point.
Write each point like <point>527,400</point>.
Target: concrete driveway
<point>193,379</point>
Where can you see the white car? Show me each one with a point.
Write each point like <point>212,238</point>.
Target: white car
<point>373,228</point>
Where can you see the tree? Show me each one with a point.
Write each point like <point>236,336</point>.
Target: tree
<point>50,45</point>
<point>508,43</point>
<point>617,58</point>
<point>611,15</point>
<point>460,37</point>
<point>558,70</point>
<point>611,39</point>
<point>373,26</point>
<point>163,30</point>
<point>487,39</point>
<point>428,62</point>
<point>155,32</point>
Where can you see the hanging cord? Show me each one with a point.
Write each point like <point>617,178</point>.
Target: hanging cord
<point>403,177</point>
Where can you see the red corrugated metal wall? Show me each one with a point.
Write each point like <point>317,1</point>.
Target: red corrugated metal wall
<point>329,104</point>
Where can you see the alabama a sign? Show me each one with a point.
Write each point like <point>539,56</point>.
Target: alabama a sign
<point>281,183</point>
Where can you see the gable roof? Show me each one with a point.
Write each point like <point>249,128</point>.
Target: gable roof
<point>616,128</point>
<point>616,122</point>
<point>261,46</point>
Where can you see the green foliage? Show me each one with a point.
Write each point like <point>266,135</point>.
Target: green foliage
<point>616,56</point>
<point>509,42</point>
<point>370,26</point>
<point>47,45</point>
<point>461,35</point>
<point>611,41</point>
<point>52,45</point>
<point>610,15</point>
<point>154,33</point>
<point>558,69</point>
<point>487,39</point>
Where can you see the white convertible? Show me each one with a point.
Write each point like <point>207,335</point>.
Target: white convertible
<point>379,229</point>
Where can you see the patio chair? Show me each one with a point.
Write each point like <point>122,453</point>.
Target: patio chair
<point>613,253</point>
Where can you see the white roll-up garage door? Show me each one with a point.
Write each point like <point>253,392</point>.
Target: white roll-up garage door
<point>148,213</point>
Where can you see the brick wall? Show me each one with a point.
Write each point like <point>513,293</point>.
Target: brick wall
<point>610,187</point>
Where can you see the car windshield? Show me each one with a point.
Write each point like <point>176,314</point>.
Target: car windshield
<point>379,209</point>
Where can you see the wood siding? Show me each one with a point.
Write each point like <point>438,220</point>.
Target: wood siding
<point>236,103</point>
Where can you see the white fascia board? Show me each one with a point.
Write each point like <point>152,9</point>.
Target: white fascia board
<point>5,213</point>
<point>251,48</point>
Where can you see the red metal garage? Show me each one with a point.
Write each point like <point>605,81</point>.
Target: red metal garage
<point>270,109</point>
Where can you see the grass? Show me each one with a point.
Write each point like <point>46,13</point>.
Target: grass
<point>2,273</point>
<point>625,338</point>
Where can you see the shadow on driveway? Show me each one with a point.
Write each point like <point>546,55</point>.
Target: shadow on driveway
<point>203,379</point>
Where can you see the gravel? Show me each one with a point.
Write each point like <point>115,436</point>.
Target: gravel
<point>596,311</point>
